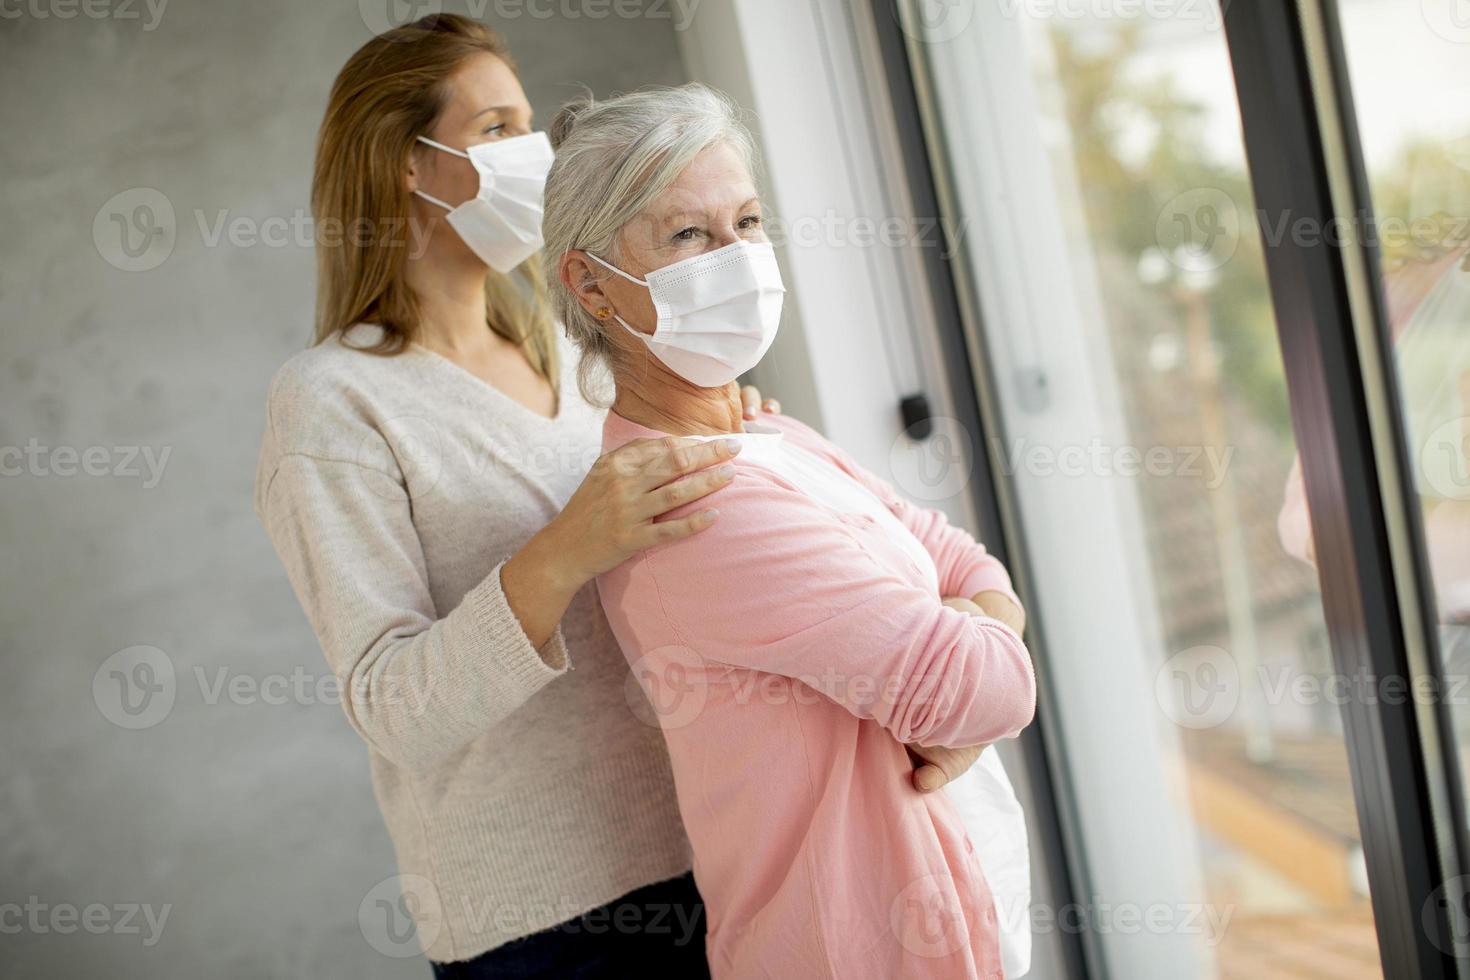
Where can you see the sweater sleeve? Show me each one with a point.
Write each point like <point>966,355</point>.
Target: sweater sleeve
<point>779,584</point>
<point>965,567</point>
<point>415,686</point>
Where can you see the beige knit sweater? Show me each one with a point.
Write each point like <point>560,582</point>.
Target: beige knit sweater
<point>519,787</point>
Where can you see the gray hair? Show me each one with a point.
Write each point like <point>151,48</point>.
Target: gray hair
<point>613,159</point>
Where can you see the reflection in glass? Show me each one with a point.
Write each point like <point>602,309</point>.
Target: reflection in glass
<point>1121,261</point>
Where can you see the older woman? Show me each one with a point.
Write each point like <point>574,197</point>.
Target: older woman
<point>797,647</point>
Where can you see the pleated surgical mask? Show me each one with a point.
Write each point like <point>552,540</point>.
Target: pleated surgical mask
<point>502,222</point>
<point>717,313</point>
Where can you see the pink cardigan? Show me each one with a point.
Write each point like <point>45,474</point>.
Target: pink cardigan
<point>789,652</point>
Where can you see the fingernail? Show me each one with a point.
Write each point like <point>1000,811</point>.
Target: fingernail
<point>727,471</point>
<point>711,514</point>
<point>732,445</point>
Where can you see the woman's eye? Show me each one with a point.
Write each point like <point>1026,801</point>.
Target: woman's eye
<point>750,221</point>
<point>495,129</point>
<point>687,235</point>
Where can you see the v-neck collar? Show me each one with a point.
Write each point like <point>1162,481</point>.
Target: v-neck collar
<point>495,393</point>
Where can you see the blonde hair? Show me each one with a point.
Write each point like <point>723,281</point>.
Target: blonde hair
<point>387,95</point>
<point>613,159</point>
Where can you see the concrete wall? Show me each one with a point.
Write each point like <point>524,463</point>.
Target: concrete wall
<point>252,822</point>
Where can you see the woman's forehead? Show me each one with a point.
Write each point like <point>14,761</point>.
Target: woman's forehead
<point>716,179</point>
<point>484,84</point>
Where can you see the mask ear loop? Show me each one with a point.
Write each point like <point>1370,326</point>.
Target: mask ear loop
<point>434,200</point>
<point>441,146</point>
<point>446,149</point>
<point>608,265</point>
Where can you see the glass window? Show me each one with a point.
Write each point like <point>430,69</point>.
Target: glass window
<point>1094,156</point>
<point>1409,67</point>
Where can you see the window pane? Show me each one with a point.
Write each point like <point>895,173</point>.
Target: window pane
<point>1409,65</point>
<point>1095,155</point>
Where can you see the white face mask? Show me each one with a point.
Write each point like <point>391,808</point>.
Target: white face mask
<point>717,312</point>
<point>502,223</point>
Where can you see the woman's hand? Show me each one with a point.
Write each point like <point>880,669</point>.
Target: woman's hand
<point>937,765</point>
<point>750,397</point>
<point>610,518</point>
<point>998,605</point>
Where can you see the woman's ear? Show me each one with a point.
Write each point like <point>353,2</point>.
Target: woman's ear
<point>412,171</point>
<point>578,275</point>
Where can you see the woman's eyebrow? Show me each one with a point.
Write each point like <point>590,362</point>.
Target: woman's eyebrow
<point>495,108</point>
<point>701,214</point>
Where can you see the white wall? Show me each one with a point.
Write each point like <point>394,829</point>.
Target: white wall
<point>254,822</point>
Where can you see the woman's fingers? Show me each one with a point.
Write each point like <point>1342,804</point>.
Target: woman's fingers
<point>663,532</point>
<point>750,397</point>
<point>687,489</point>
<point>677,457</point>
<point>937,765</point>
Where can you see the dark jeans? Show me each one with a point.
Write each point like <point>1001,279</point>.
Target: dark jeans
<point>657,931</point>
